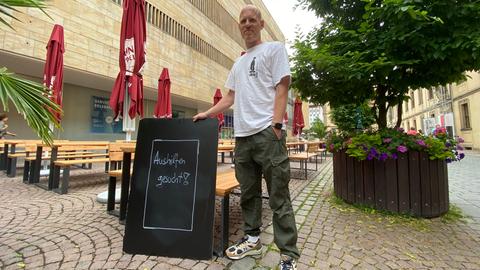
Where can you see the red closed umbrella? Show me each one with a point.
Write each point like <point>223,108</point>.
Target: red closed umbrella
<point>298,122</point>
<point>127,93</point>
<point>216,98</point>
<point>163,108</point>
<point>53,70</point>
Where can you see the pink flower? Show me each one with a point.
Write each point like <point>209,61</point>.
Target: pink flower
<point>421,143</point>
<point>387,140</point>
<point>402,149</point>
<point>460,140</point>
<point>332,147</point>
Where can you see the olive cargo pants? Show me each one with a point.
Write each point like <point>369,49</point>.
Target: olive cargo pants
<point>264,154</point>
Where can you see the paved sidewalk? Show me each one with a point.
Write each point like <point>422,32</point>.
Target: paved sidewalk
<point>464,177</point>
<point>43,230</point>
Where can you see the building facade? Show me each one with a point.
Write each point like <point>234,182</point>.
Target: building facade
<point>425,109</point>
<point>466,110</point>
<point>315,112</point>
<point>197,40</point>
<point>454,107</point>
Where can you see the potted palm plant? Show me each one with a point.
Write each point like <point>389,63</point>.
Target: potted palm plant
<point>31,99</point>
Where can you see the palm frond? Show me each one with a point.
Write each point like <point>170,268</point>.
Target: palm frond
<point>7,6</point>
<point>31,99</point>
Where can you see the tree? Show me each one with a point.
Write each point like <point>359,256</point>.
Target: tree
<point>379,50</point>
<point>29,98</point>
<point>351,118</point>
<point>318,128</point>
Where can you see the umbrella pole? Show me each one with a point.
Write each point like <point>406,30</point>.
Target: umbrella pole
<point>128,124</point>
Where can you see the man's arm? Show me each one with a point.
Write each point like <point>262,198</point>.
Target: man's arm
<point>221,106</point>
<point>280,104</point>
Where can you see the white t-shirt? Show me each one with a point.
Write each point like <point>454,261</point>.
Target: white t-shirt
<point>254,77</point>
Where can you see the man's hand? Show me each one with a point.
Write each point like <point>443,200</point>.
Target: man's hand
<point>200,116</point>
<point>277,132</point>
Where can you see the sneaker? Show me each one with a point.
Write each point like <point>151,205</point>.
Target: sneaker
<point>244,248</point>
<point>288,263</point>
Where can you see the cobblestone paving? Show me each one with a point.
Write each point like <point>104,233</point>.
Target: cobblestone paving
<point>44,230</point>
<point>464,184</point>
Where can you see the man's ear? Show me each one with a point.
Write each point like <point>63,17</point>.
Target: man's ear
<point>262,23</point>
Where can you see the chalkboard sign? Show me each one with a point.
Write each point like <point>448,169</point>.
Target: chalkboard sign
<point>172,200</point>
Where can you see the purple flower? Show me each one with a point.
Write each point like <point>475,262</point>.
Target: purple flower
<point>373,152</point>
<point>448,160</point>
<point>394,155</point>
<point>421,143</point>
<point>460,140</point>
<point>332,147</point>
<point>402,149</point>
<point>400,129</point>
<point>459,147</point>
<point>383,156</point>
<point>448,144</point>
<point>387,140</point>
<point>461,156</point>
<point>370,156</point>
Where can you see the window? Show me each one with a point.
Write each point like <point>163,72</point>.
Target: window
<point>178,114</point>
<point>415,124</point>
<point>430,93</point>
<point>412,98</point>
<point>465,114</point>
<point>420,96</point>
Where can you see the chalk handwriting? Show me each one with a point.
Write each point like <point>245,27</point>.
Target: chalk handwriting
<point>170,160</point>
<point>180,179</point>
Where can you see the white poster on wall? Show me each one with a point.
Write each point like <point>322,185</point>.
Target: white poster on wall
<point>429,124</point>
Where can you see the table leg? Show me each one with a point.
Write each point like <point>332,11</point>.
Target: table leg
<point>127,158</point>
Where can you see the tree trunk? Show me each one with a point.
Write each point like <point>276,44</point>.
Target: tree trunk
<point>399,115</point>
<point>381,104</point>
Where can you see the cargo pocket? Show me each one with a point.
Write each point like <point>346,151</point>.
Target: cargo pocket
<point>279,195</point>
<point>281,170</point>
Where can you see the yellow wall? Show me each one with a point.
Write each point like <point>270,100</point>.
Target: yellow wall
<point>469,92</point>
<point>92,40</point>
<point>92,29</point>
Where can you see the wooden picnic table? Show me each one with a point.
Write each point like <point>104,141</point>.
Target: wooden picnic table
<point>34,176</point>
<point>10,147</point>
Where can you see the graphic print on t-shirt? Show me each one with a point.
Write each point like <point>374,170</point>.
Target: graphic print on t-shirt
<point>253,68</point>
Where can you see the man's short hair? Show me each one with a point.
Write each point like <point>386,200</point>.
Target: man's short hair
<point>254,8</point>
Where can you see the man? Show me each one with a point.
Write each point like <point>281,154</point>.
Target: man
<point>4,126</point>
<point>258,83</point>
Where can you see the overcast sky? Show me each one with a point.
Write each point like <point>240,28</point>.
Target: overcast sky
<point>288,19</point>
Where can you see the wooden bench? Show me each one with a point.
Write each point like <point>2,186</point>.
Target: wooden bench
<point>225,184</point>
<point>226,148</point>
<point>31,158</point>
<point>112,159</point>
<point>304,157</point>
<point>11,153</point>
<point>56,150</point>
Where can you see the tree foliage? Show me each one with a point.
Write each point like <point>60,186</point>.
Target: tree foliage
<point>378,50</point>
<point>7,6</point>
<point>317,129</point>
<point>350,118</point>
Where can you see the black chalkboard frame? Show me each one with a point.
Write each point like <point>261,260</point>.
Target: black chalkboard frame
<point>196,243</point>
